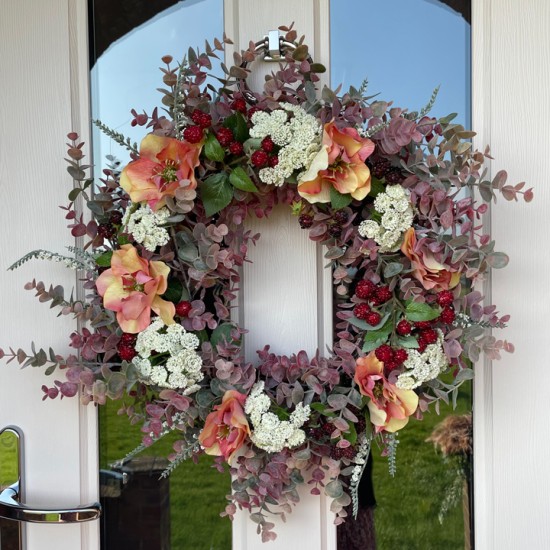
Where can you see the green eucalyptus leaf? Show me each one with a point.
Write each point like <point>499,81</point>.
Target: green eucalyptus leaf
<point>334,489</point>
<point>74,193</point>
<point>417,311</point>
<point>407,342</point>
<point>221,333</point>
<point>240,179</point>
<point>212,148</point>
<point>339,200</point>
<point>392,269</point>
<point>216,193</point>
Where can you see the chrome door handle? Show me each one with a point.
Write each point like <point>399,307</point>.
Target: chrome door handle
<point>10,508</point>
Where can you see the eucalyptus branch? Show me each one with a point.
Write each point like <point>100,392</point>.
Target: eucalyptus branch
<point>117,136</point>
<point>72,263</point>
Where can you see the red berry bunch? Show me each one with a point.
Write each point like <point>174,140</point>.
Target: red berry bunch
<point>259,158</point>
<point>202,119</point>
<point>225,137</point>
<point>365,313</point>
<point>193,134</point>
<point>445,298</point>
<point>392,358</point>
<point>239,105</point>
<point>448,315</point>
<point>236,148</point>
<point>403,328</point>
<point>336,453</point>
<point>125,347</point>
<point>106,230</point>
<point>365,289</point>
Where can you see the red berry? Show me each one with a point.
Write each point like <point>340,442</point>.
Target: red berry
<point>183,308</point>
<point>305,221</point>
<point>361,311</point>
<point>126,353</point>
<point>364,289</point>
<point>445,298</point>
<point>429,336</point>
<point>421,344</point>
<point>341,216</point>
<point>192,134</point>
<point>225,137</point>
<point>423,325</point>
<point>116,217</point>
<point>400,356</point>
<point>383,294</point>
<point>204,120</point>
<point>253,110</point>
<point>334,230</point>
<point>273,161</point>
<point>447,315</point>
<point>403,327</point>
<point>373,318</point>
<point>259,158</point>
<point>239,104</point>
<point>106,230</point>
<point>236,148</point>
<point>384,353</point>
<point>267,144</point>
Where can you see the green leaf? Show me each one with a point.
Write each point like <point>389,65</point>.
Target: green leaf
<point>376,187</point>
<point>174,291</point>
<point>123,239</point>
<point>392,269</point>
<point>240,179</point>
<point>407,342</point>
<point>351,434</point>
<point>105,259</point>
<point>334,489</point>
<point>74,193</point>
<point>237,124</point>
<point>464,374</point>
<point>497,260</point>
<point>216,193</point>
<point>317,68</point>
<point>375,338</point>
<point>300,53</point>
<point>417,311</point>
<point>212,148</point>
<point>321,408</point>
<point>338,200</point>
<point>221,333</point>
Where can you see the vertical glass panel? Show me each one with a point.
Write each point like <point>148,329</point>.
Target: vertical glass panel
<point>128,40</point>
<point>406,48</point>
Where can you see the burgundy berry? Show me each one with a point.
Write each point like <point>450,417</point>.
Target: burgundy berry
<point>183,308</point>
<point>267,144</point>
<point>193,134</point>
<point>384,353</point>
<point>373,318</point>
<point>403,327</point>
<point>236,148</point>
<point>361,311</point>
<point>364,289</point>
<point>259,158</point>
<point>225,137</point>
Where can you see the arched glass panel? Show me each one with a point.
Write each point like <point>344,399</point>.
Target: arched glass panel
<point>406,48</point>
<point>129,38</point>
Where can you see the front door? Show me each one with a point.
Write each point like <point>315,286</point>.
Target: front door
<point>46,65</point>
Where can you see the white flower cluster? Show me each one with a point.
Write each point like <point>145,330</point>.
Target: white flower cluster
<point>296,133</point>
<point>397,216</point>
<point>421,367</point>
<point>270,433</point>
<point>182,369</point>
<point>145,226</point>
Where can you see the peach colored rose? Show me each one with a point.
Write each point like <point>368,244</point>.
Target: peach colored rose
<point>163,165</point>
<point>431,273</point>
<point>339,164</point>
<point>226,428</point>
<point>132,287</point>
<point>389,406</point>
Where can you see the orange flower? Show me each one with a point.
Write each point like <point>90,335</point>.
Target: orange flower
<point>132,287</point>
<point>226,428</point>
<point>339,164</point>
<point>389,406</point>
<point>163,165</point>
<point>431,273</point>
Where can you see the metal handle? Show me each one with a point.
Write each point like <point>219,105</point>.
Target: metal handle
<point>10,508</point>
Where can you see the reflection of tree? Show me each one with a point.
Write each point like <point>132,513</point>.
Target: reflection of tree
<point>113,19</point>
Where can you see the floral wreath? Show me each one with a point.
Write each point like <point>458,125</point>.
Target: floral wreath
<point>389,193</point>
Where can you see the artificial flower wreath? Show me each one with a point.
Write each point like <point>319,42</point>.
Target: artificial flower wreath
<point>390,196</point>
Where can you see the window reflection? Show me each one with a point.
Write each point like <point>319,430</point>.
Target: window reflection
<point>406,48</point>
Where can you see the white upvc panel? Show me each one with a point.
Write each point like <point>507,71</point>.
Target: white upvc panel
<point>44,95</point>
<point>511,87</point>
<point>286,294</point>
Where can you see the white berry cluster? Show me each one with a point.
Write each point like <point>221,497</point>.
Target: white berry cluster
<point>397,216</point>
<point>421,367</point>
<point>181,369</point>
<point>270,433</point>
<point>145,226</point>
<point>296,133</point>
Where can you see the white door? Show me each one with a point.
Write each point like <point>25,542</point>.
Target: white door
<point>44,94</point>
